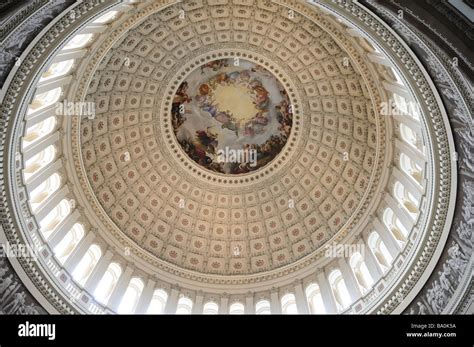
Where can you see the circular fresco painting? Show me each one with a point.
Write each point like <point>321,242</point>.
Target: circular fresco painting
<point>232,116</point>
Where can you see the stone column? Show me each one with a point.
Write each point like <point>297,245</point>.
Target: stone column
<point>371,262</point>
<point>53,83</point>
<point>387,237</point>
<point>410,151</point>
<point>224,304</point>
<point>301,300</point>
<point>51,202</point>
<point>71,54</point>
<point>172,302</point>
<point>79,252</point>
<point>146,297</point>
<point>330,305</point>
<point>63,228</point>
<point>43,174</point>
<point>98,272</point>
<point>120,289</point>
<point>249,304</point>
<point>275,304</point>
<point>349,279</point>
<point>42,144</point>
<point>409,183</point>
<point>198,304</point>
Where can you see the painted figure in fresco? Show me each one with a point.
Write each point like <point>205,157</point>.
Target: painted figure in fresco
<point>214,65</point>
<point>206,141</point>
<point>204,89</point>
<point>249,130</point>
<point>202,145</point>
<point>222,117</point>
<point>244,78</point>
<point>180,98</point>
<point>212,109</point>
<point>262,70</point>
<point>262,100</point>
<point>233,76</point>
<point>232,126</point>
<point>261,118</point>
<point>222,78</point>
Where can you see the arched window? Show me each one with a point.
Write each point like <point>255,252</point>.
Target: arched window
<point>315,300</point>
<point>57,69</point>
<point>339,289</point>
<point>211,308</point>
<point>158,302</point>
<point>263,307</point>
<point>407,107</point>
<point>38,131</point>
<point>411,167</point>
<point>185,306</point>
<point>78,41</point>
<point>87,264</point>
<point>130,299</point>
<point>288,304</point>
<point>393,224</point>
<point>408,135</point>
<point>236,308</point>
<point>361,272</point>
<point>53,218</point>
<point>45,99</point>
<point>39,161</point>
<point>401,103</point>
<point>106,18</point>
<point>107,283</point>
<point>406,199</point>
<point>69,242</point>
<point>44,191</point>
<point>380,251</point>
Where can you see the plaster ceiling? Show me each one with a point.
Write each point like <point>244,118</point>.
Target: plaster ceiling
<point>315,189</point>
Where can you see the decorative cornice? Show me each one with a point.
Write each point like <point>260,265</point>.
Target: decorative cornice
<point>434,223</point>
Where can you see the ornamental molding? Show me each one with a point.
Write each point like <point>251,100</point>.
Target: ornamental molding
<point>19,82</point>
<point>444,180</point>
<point>434,226</point>
<point>454,88</point>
